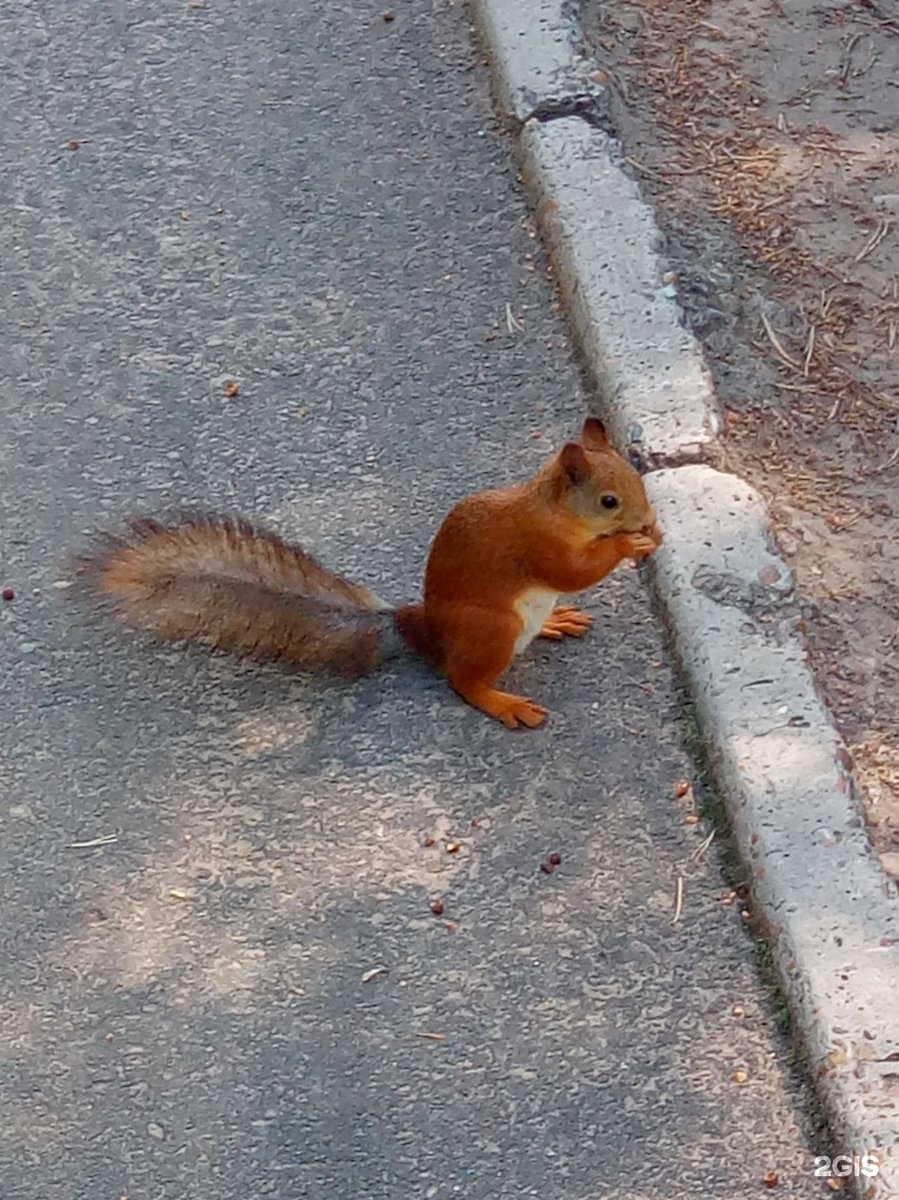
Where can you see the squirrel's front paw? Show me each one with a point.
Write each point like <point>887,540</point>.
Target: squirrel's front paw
<point>563,621</point>
<point>641,545</point>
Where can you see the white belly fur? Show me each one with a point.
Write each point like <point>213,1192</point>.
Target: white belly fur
<point>534,606</point>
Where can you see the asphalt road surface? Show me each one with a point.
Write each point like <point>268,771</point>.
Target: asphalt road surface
<point>220,975</point>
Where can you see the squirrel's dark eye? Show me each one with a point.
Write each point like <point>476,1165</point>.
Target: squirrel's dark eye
<point>608,500</point>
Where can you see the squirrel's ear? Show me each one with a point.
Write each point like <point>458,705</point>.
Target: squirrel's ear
<point>573,462</point>
<point>594,435</point>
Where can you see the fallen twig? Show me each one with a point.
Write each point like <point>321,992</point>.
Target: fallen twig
<point>873,241</point>
<point>512,323</point>
<point>894,457</point>
<point>643,169</point>
<point>809,350</point>
<point>106,840</point>
<point>847,57</point>
<point>700,851</point>
<point>776,343</point>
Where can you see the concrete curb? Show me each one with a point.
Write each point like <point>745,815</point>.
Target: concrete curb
<point>539,66</point>
<point>605,244</point>
<point>832,912</point>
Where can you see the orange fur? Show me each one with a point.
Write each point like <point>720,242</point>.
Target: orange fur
<point>549,533</point>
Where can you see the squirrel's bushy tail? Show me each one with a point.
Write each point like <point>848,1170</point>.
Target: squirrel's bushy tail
<point>231,584</point>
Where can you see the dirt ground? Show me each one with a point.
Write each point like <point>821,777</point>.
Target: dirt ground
<point>767,136</point>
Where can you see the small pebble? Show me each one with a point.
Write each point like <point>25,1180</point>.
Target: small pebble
<point>8,594</point>
<point>889,201</point>
<point>437,907</point>
<point>555,858</point>
<point>547,868</point>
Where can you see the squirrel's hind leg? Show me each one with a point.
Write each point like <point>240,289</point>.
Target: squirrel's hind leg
<point>565,621</point>
<point>480,644</point>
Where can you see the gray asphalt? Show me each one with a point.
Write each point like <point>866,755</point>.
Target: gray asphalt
<point>242,992</point>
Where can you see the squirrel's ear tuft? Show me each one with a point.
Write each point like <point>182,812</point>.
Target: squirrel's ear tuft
<point>594,435</point>
<point>574,463</point>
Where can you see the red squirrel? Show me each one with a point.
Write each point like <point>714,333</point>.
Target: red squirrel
<point>495,571</point>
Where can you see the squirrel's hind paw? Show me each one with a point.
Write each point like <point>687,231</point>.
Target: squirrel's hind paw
<point>511,710</point>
